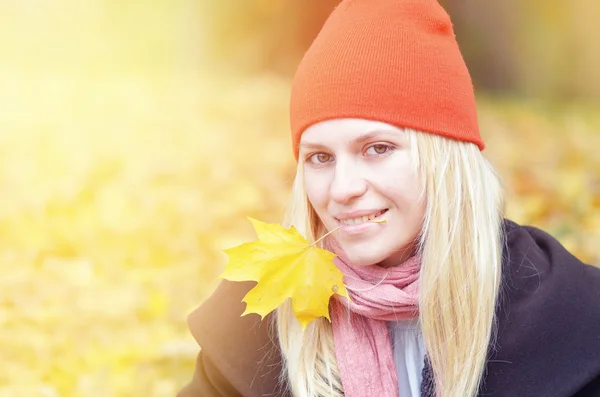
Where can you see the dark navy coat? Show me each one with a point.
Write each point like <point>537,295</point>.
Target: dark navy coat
<point>547,345</point>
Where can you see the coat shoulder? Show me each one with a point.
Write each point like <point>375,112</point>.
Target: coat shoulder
<point>241,351</point>
<point>548,318</point>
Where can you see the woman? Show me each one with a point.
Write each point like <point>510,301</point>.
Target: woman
<point>447,297</point>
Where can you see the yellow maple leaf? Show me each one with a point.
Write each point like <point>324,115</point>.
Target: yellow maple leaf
<point>285,266</point>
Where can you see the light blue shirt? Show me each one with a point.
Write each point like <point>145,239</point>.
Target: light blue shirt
<point>409,355</point>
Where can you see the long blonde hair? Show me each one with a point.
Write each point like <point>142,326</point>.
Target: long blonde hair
<point>460,244</point>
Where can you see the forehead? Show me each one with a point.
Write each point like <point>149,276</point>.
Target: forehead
<point>337,131</point>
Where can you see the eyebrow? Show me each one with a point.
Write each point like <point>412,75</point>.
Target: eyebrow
<point>363,138</point>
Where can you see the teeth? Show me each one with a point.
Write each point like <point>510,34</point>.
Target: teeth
<point>358,221</point>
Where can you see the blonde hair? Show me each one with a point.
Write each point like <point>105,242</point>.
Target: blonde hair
<point>460,244</point>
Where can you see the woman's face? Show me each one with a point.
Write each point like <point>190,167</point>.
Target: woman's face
<point>355,170</point>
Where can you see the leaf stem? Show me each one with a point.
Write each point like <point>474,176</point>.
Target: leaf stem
<point>326,234</point>
<point>331,231</point>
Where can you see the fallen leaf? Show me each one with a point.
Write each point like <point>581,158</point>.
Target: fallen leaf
<point>285,266</point>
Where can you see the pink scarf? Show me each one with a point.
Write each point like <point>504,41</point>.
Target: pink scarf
<point>362,344</point>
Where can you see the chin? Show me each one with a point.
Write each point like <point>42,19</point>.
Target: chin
<point>374,254</point>
<point>363,259</point>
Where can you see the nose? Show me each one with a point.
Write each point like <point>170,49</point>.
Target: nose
<point>348,183</point>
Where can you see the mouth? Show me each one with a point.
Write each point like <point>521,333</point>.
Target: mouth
<point>361,219</point>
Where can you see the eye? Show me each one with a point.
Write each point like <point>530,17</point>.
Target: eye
<point>379,149</point>
<point>319,158</point>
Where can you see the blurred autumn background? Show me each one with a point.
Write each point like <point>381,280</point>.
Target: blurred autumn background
<point>135,137</point>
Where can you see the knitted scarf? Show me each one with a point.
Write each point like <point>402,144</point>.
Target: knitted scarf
<point>362,343</point>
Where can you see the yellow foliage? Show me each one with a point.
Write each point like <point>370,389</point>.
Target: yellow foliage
<point>285,266</point>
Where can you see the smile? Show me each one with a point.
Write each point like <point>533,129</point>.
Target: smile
<point>362,219</point>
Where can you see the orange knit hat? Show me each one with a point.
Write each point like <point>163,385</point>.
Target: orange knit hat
<point>395,61</point>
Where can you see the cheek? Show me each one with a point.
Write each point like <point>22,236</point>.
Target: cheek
<point>316,192</point>
<point>403,188</point>
<point>412,205</point>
